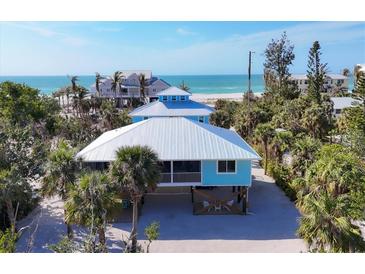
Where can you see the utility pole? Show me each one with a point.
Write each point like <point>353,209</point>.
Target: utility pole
<point>249,76</point>
<point>249,86</point>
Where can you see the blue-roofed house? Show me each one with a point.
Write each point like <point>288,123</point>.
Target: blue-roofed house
<point>191,153</point>
<point>173,102</point>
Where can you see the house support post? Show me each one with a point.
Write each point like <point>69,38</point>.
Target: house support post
<point>192,194</point>
<point>239,194</point>
<point>233,189</point>
<point>244,193</point>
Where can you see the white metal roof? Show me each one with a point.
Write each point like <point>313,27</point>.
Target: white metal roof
<point>344,102</point>
<point>172,139</point>
<point>176,108</point>
<point>171,91</point>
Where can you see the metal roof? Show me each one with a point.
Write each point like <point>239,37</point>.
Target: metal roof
<point>171,91</point>
<point>172,139</point>
<point>344,102</point>
<point>173,108</point>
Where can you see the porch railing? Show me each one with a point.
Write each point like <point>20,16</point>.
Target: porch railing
<point>181,177</point>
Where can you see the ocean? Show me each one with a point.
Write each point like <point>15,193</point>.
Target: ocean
<point>198,83</point>
<point>207,84</point>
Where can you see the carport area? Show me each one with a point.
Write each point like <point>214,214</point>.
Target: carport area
<point>269,226</point>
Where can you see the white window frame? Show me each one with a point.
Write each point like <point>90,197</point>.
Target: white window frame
<point>222,173</point>
<point>199,117</point>
<point>173,98</point>
<point>182,98</point>
<point>164,98</point>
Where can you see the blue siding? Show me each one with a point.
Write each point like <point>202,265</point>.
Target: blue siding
<point>242,177</point>
<point>169,98</point>
<point>136,119</point>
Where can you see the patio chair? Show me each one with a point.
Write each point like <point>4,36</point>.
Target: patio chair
<point>217,206</point>
<point>228,205</point>
<point>207,206</point>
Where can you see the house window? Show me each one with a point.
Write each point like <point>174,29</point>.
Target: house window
<point>164,98</point>
<point>173,98</point>
<point>186,166</point>
<point>226,167</point>
<point>338,111</point>
<point>306,82</point>
<point>201,119</point>
<point>145,118</point>
<point>182,98</point>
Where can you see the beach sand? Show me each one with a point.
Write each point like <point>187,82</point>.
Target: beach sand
<point>212,97</point>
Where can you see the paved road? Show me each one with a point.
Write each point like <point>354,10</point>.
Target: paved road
<point>270,226</point>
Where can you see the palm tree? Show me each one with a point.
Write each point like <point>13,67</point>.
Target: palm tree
<point>79,102</point>
<point>135,170</point>
<point>61,175</point>
<point>73,80</point>
<point>326,226</point>
<point>264,134</point>
<point>88,203</point>
<point>346,72</point>
<point>303,152</point>
<point>73,87</point>
<point>184,87</point>
<point>281,143</point>
<point>116,80</point>
<point>313,120</point>
<point>98,79</point>
<point>142,84</point>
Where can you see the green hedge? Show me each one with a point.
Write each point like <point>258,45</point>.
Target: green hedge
<point>283,178</point>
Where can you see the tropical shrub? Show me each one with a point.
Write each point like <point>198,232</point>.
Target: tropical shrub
<point>8,241</point>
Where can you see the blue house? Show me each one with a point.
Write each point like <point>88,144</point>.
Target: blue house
<point>191,153</point>
<point>173,102</point>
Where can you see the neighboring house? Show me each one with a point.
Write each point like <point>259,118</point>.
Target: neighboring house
<point>173,102</point>
<point>130,86</point>
<point>340,103</point>
<point>191,153</point>
<point>332,82</point>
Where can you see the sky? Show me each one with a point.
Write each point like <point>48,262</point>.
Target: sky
<point>169,48</point>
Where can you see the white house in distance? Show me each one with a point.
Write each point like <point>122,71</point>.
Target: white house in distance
<point>340,103</point>
<point>130,86</point>
<point>333,81</point>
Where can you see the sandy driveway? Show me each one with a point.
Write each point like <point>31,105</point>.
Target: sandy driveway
<point>270,226</point>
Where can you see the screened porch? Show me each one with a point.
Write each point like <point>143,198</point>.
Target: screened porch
<point>183,172</point>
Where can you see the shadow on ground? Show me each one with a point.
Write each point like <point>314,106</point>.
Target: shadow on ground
<point>271,217</point>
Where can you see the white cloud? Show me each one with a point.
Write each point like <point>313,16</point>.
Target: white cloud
<point>185,32</point>
<point>49,33</point>
<point>34,28</point>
